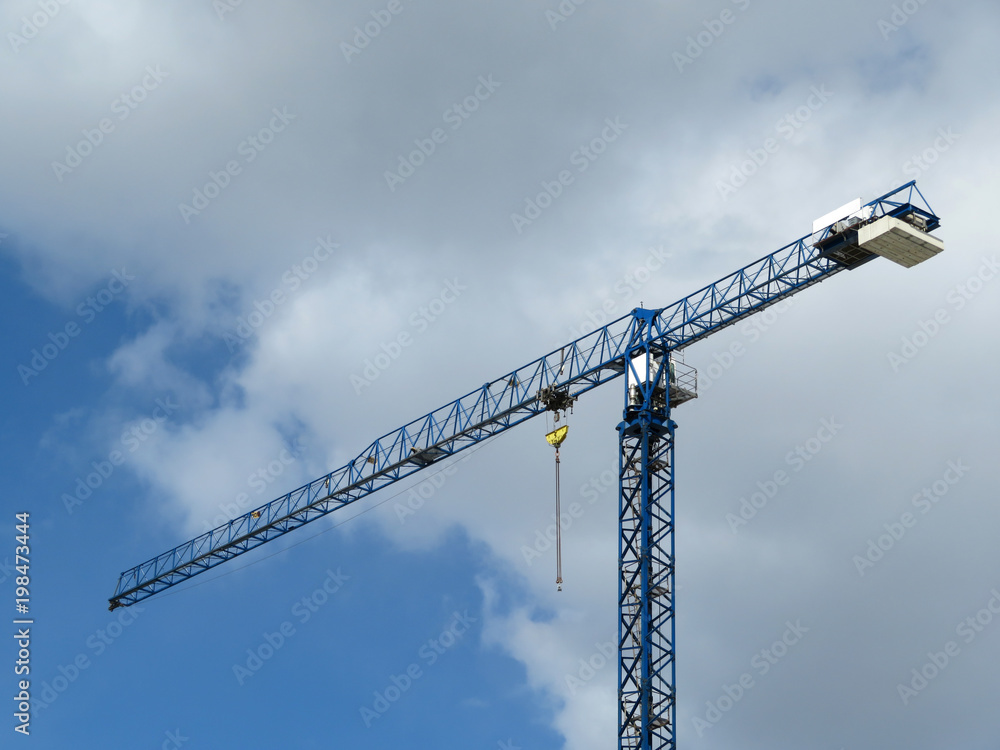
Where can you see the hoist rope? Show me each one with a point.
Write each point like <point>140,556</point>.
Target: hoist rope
<point>558,530</point>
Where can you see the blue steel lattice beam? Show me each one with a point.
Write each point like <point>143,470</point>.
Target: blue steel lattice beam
<point>507,401</point>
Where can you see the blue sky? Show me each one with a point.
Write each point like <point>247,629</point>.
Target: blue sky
<point>245,241</point>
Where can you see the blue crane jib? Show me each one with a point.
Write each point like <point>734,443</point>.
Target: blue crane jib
<point>896,226</point>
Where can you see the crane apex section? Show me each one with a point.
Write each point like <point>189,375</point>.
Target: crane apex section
<point>899,241</point>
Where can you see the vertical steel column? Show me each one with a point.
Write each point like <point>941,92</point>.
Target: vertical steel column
<point>646,630</point>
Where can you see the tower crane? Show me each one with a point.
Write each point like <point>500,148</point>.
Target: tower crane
<point>638,346</point>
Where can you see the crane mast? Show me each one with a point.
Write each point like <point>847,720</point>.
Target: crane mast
<point>638,346</point>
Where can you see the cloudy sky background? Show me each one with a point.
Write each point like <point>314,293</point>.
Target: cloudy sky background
<point>853,98</point>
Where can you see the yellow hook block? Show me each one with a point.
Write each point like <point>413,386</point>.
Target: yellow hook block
<point>557,436</point>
